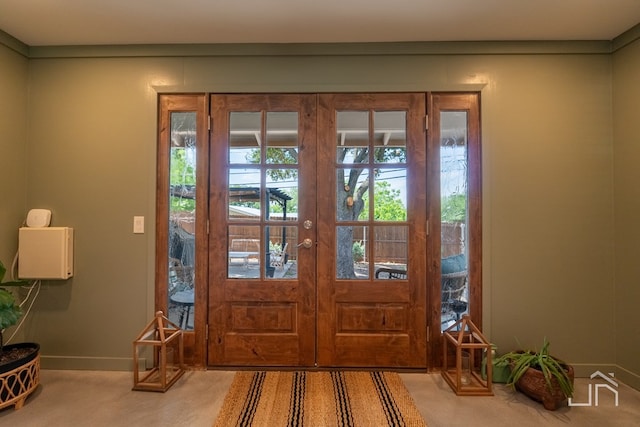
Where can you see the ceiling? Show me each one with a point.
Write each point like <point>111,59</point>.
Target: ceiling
<point>118,22</point>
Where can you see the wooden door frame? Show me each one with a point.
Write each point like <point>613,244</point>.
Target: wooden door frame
<point>470,103</point>
<point>194,340</point>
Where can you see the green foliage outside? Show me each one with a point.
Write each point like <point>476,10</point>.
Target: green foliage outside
<point>358,251</point>
<point>388,205</point>
<point>181,173</point>
<point>454,208</point>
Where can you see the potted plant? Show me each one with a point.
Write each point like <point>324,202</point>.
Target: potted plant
<point>540,376</point>
<point>19,363</point>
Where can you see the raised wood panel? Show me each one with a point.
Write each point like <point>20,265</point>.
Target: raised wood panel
<point>263,318</point>
<point>372,318</point>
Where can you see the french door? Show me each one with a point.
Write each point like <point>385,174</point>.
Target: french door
<point>311,174</point>
<point>318,230</point>
<point>263,158</point>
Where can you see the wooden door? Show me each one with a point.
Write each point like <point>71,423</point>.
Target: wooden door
<point>262,160</point>
<point>354,165</point>
<point>372,263</point>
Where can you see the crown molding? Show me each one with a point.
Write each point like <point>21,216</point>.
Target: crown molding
<point>325,49</point>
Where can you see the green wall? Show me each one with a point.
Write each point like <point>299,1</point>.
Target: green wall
<point>13,149</point>
<point>548,191</point>
<point>626,116</point>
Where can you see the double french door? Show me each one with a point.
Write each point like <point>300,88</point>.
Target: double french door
<point>332,161</point>
<point>309,229</point>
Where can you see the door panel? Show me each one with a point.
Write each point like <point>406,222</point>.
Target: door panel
<point>364,320</point>
<point>260,315</point>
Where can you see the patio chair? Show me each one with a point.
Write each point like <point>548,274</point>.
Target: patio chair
<point>453,287</point>
<point>390,273</point>
<point>278,258</point>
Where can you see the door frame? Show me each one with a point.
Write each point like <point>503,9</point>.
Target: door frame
<point>196,340</point>
<point>468,102</point>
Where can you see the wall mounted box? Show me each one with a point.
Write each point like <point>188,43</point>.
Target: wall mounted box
<point>45,253</point>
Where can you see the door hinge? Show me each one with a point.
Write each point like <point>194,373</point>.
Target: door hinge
<point>206,333</point>
<point>209,123</point>
<point>428,333</point>
<point>426,122</point>
<point>207,227</point>
<point>428,227</point>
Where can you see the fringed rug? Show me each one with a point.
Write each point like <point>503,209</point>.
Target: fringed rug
<point>273,399</point>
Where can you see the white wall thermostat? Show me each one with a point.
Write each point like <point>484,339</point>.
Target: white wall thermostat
<point>38,218</point>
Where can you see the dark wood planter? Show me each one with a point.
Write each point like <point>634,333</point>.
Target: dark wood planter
<point>533,384</point>
<point>19,378</point>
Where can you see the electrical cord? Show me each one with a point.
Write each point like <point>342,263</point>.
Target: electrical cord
<point>35,285</point>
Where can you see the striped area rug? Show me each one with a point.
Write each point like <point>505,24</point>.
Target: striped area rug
<point>273,399</point>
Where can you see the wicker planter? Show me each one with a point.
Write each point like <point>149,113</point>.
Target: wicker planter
<point>19,378</point>
<point>533,384</point>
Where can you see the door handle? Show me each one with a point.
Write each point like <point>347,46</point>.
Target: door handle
<point>306,243</point>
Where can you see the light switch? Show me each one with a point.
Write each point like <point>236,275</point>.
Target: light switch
<point>138,224</point>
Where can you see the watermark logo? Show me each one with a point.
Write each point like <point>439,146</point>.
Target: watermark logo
<point>607,383</point>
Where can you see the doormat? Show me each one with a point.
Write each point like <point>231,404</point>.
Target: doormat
<point>312,399</point>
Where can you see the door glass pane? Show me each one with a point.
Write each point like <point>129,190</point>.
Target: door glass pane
<point>352,194</point>
<point>389,136</point>
<point>282,192</point>
<point>352,253</point>
<point>182,182</point>
<point>352,136</point>
<point>390,195</point>
<point>282,137</point>
<point>390,250</point>
<point>244,194</point>
<point>454,202</point>
<point>244,252</point>
<point>283,252</point>
<point>244,137</point>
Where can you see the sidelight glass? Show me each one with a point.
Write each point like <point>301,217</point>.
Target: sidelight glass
<point>182,205</point>
<point>454,215</point>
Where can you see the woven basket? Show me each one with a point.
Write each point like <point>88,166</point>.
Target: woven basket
<point>16,384</point>
<point>533,384</point>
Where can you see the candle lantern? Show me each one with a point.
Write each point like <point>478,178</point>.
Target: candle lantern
<point>164,340</point>
<point>463,349</point>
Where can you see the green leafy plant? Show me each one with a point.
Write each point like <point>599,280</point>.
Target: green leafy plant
<point>521,361</point>
<point>358,251</point>
<point>10,312</point>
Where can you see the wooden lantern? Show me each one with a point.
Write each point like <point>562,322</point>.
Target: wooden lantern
<point>164,339</point>
<point>468,344</point>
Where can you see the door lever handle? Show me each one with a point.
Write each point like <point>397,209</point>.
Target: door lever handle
<point>306,243</point>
